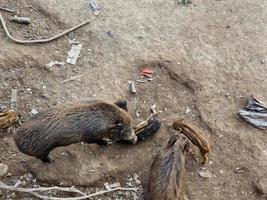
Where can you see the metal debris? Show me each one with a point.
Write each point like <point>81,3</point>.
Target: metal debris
<point>74,53</point>
<point>95,7</point>
<point>21,20</point>
<point>254,113</point>
<point>132,87</point>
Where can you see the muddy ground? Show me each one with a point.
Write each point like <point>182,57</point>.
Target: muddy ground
<point>208,56</point>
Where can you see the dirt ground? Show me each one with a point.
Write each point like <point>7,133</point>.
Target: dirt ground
<point>209,57</point>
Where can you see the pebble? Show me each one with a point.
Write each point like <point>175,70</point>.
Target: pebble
<point>3,169</point>
<point>206,174</point>
<point>115,185</point>
<point>34,112</point>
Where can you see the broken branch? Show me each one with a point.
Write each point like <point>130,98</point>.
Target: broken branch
<point>40,40</point>
<point>33,191</point>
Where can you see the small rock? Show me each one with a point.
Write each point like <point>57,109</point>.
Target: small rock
<point>240,170</point>
<point>206,174</point>
<point>13,195</point>
<point>106,185</point>
<point>34,111</point>
<point>23,183</point>
<point>115,185</point>
<point>3,169</point>
<point>9,174</point>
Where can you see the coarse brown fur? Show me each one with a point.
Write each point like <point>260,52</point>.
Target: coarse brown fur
<point>195,135</point>
<point>88,121</point>
<point>8,118</point>
<point>168,173</point>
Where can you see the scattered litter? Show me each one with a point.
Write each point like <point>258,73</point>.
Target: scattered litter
<point>132,87</point>
<point>14,98</point>
<point>95,7</point>
<point>184,2</point>
<point>34,112</point>
<point>72,78</point>
<point>21,20</point>
<point>203,174</point>
<point>187,110</point>
<point>254,113</point>
<point>109,33</point>
<point>148,72</point>
<point>143,79</point>
<point>7,9</point>
<point>55,63</point>
<point>240,170</point>
<point>153,109</point>
<point>74,53</point>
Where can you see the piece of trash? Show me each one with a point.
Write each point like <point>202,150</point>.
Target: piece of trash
<point>55,63</point>
<point>74,53</point>
<point>21,20</point>
<point>143,79</point>
<point>34,111</point>
<point>187,110</point>
<point>153,109</point>
<point>14,98</point>
<point>72,78</point>
<point>148,72</point>
<point>184,2</point>
<point>132,87</point>
<point>95,7</point>
<point>254,113</point>
<point>109,33</point>
<point>203,174</point>
<point>240,170</point>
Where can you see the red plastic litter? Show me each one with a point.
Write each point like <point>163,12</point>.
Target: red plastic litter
<point>147,71</point>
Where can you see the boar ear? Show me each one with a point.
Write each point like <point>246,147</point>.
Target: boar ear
<point>122,104</point>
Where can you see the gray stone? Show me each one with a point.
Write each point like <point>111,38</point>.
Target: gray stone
<point>3,169</point>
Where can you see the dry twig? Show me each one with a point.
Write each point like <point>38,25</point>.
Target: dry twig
<point>33,191</point>
<point>7,10</point>
<point>40,40</point>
